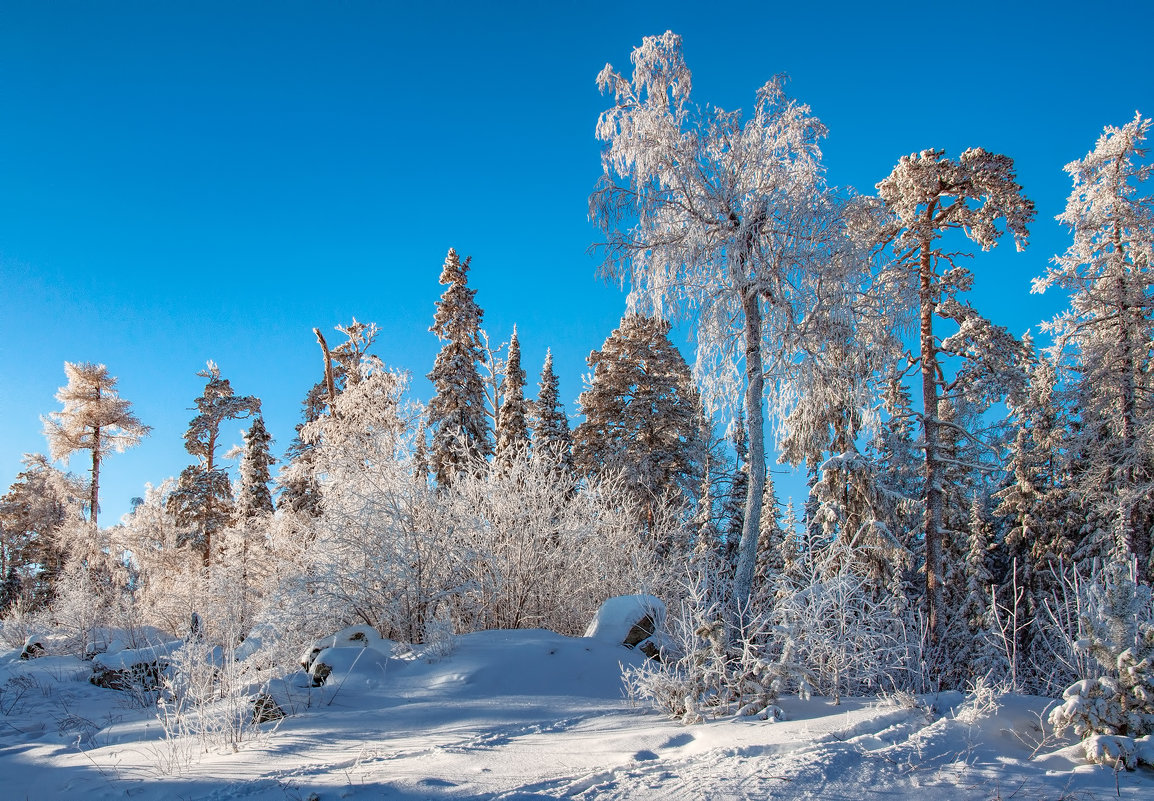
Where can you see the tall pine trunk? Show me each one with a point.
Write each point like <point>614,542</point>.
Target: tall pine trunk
<point>934,471</point>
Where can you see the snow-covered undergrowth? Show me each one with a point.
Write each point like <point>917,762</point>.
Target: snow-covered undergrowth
<point>528,714</point>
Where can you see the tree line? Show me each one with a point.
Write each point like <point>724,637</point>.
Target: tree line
<point>977,505</point>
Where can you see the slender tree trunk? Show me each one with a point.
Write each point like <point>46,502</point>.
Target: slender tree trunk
<point>934,473</point>
<point>94,497</point>
<point>754,390</point>
<point>207,524</point>
<point>330,383</point>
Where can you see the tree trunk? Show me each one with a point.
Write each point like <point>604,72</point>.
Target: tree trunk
<point>330,383</point>
<point>754,390</point>
<point>207,521</point>
<point>94,497</point>
<point>934,473</point>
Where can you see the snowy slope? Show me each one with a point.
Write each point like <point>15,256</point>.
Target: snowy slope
<point>521,715</point>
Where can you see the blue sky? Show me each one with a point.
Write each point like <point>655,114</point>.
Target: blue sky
<point>190,181</point>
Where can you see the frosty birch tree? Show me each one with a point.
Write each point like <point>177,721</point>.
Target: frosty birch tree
<point>94,419</point>
<point>929,196</point>
<point>719,219</point>
<point>1108,330</point>
<point>203,497</point>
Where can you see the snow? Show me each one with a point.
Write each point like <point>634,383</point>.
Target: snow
<point>529,715</point>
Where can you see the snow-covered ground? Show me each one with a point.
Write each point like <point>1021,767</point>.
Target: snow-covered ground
<point>523,715</point>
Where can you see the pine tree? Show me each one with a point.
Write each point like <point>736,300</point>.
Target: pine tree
<point>512,426</point>
<point>456,414</point>
<point>551,433</point>
<point>255,498</point>
<point>640,410</point>
<point>94,419</point>
<point>203,498</point>
<point>927,196</point>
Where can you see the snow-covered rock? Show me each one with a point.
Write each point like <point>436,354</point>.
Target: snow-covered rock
<point>32,648</point>
<point>133,667</point>
<point>341,651</point>
<point>629,620</point>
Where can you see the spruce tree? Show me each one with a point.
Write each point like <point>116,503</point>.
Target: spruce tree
<point>551,433</point>
<point>1105,337</point>
<point>38,508</point>
<point>512,425</point>
<point>974,649</point>
<point>733,507</point>
<point>456,414</point>
<point>770,565</point>
<point>255,498</point>
<point>299,489</point>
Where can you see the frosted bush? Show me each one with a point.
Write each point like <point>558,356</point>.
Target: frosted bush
<point>1119,751</point>
<point>1121,641</point>
<point>713,661</point>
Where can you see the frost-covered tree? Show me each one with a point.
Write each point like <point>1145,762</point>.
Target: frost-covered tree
<point>1117,630</point>
<point>456,414</point>
<point>255,499</point>
<point>835,632</point>
<point>929,196</point>
<point>380,552</point>
<point>640,408</point>
<point>734,502</point>
<point>973,648</point>
<point>203,497</point>
<point>168,587</point>
<point>550,424</point>
<point>724,220</point>
<point>544,549</point>
<point>40,506</point>
<point>898,466</point>
<point>512,425</point>
<point>771,546</point>
<point>299,491</point>
<point>95,419</point>
<point>1106,334</point>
